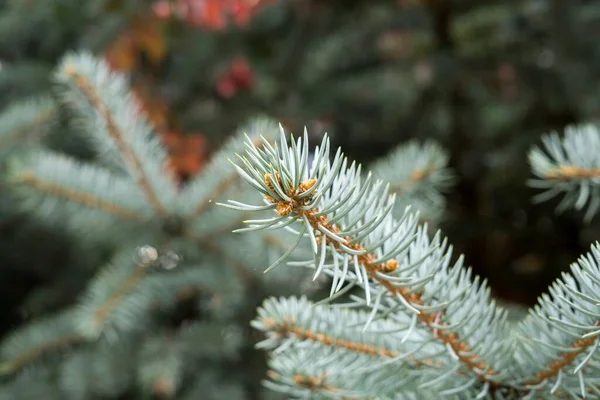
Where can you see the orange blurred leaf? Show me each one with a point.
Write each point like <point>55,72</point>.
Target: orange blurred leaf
<point>188,153</point>
<point>145,35</point>
<point>210,14</point>
<point>122,55</point>
<point>151,38</point>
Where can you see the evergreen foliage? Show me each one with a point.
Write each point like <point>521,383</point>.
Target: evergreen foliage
<point>569,165</point>
<point>482,79</point>
<point>175,287</point>
<point>128,199</point>
<point>418,322</point>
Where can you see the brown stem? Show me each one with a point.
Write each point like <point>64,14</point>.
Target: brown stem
<point>78,197</point>
<point>568,172</point>
<point>113,302</point>
<point>418,175</point>
<point>288,328</point>
<point>41,350</point>
<point>119,138</point>
<point>315,384</point>
<point>564,360</point>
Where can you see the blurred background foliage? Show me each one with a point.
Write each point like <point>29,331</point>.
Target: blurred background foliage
<point>484,79</point>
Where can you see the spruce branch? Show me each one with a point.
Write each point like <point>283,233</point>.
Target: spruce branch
<point>558,341</point>
<point>418,175</point>
<point>131,196</point>
<point>82,198</point>
<point>37,340</point>
<point>90,199</point>
<point>25,121</point>
<point>117,298</point>
<point>569,166</point>
<point>356,240</point>
<point>47,179</point>
<point>109,112</point>
<point>132,288</point>
<point>320,373</point>
<point>292,319</point>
